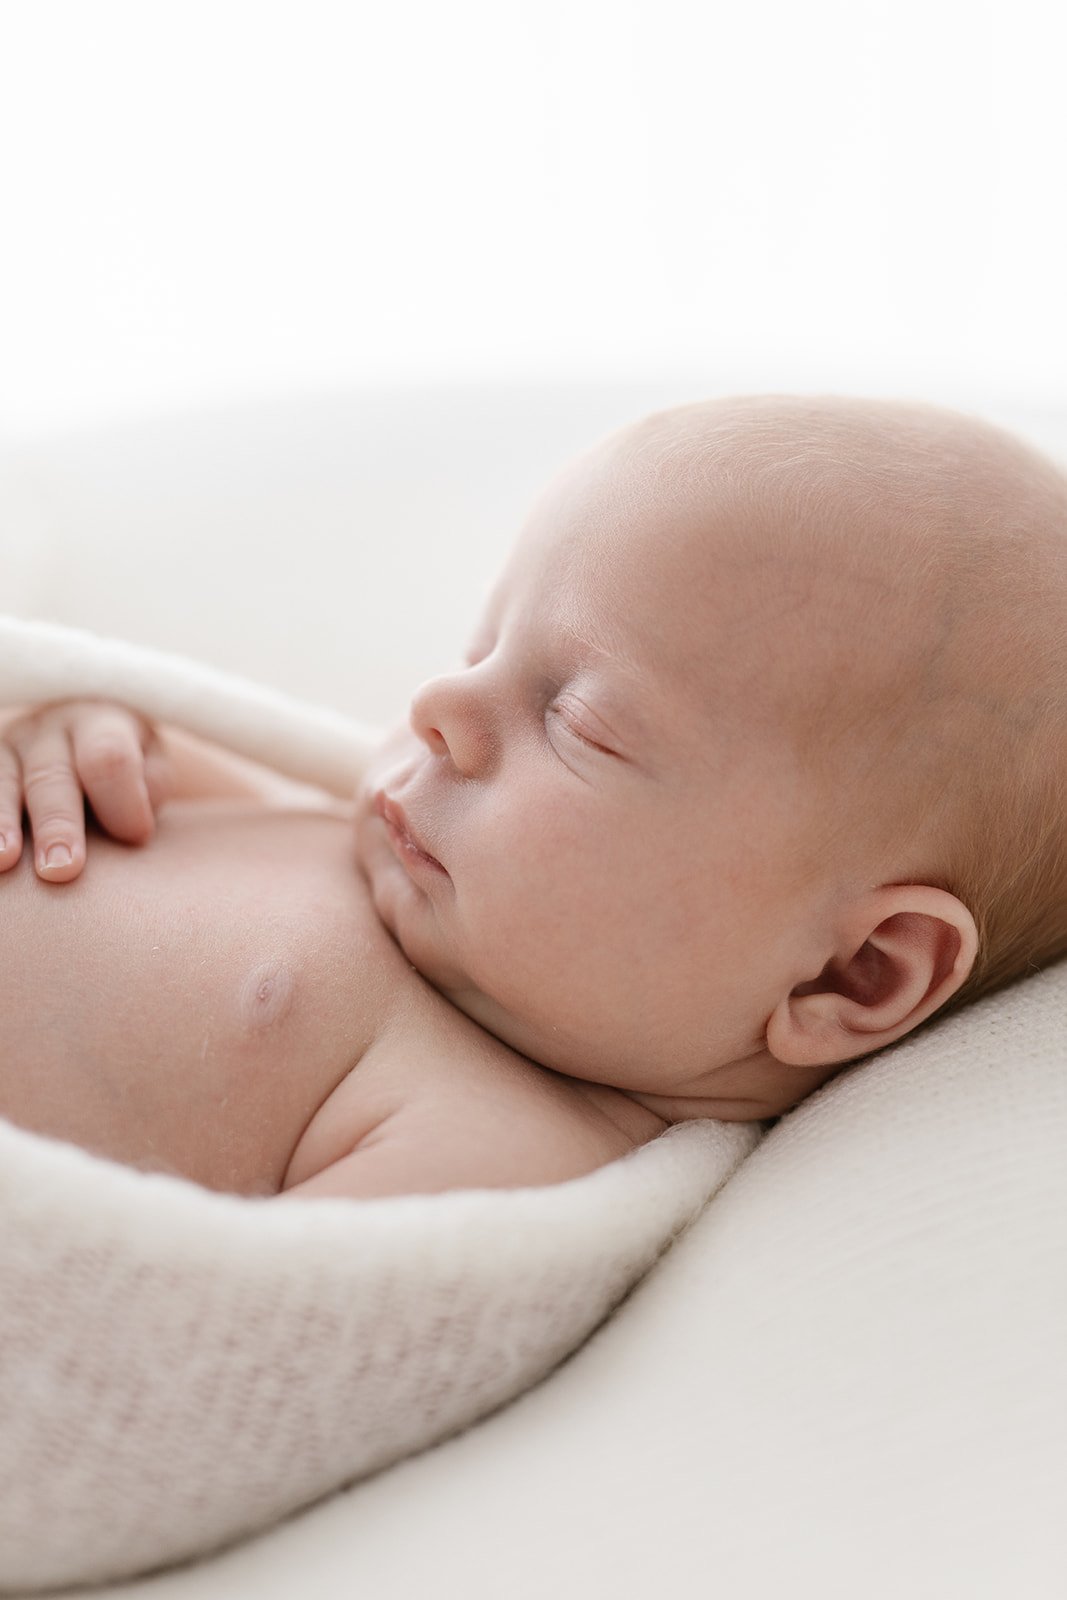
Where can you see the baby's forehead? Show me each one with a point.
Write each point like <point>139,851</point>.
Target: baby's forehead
<point>674,548</point>
<point>722,587</point>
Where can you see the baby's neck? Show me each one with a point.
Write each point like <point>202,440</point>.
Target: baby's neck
<point>638,1121</point>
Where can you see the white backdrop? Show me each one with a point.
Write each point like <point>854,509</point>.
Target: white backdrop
<point>220,199</point>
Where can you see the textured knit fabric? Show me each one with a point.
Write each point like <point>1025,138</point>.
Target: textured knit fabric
<point>179,1367</point>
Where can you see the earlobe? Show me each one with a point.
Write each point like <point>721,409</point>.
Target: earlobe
<point>902,952</point>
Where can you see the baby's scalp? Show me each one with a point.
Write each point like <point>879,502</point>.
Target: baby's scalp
<point>901,573</point>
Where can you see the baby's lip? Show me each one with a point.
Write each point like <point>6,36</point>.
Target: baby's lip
<point>393,813</point>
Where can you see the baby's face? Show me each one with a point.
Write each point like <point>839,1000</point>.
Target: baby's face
<point>616,828</point>
<point>695,794</point>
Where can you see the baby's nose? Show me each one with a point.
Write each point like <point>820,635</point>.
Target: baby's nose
<point>445,717</point>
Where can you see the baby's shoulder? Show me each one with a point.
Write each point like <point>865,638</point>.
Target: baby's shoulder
<point>438,1103</point>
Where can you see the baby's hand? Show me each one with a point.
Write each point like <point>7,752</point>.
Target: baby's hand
<point>52,757</point>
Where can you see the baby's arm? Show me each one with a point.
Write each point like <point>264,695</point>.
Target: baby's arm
<point>203,771</point>
<point>55,757</point>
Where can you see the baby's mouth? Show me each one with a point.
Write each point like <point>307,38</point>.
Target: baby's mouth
<point>403,840</point>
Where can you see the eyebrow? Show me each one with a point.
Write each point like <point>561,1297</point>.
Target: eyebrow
<point>624,664</point>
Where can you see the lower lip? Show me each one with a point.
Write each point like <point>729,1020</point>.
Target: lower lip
<point>410,854</point>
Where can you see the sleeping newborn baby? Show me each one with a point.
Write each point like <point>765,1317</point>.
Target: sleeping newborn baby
<point>755,764</point>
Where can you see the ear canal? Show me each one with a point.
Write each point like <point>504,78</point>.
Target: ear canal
<point>862,979</point>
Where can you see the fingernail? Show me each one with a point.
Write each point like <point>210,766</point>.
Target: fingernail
<point>57,855</point>
<point>3,843</point>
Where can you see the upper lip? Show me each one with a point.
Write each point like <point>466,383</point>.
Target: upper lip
<point>393,812</point>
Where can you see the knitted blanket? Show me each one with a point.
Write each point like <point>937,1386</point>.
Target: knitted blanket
<point>180,1368</point>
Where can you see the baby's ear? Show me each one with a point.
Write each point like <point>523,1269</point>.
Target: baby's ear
<point>904,950</point>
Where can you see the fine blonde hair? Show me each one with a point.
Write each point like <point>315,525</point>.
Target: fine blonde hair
<point>975,746</point>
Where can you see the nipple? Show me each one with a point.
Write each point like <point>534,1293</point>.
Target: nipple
<point>266,994</point>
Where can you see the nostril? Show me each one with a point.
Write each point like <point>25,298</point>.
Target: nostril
<point>446,702</point>
<point>433,739</point>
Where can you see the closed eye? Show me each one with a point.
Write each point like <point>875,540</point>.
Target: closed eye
<point>576,732</point>
<point>478,653</point>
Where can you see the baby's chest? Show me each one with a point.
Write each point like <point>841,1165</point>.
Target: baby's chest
<point>189,1007</point>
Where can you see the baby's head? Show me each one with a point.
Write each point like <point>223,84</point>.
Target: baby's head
<point>758,757</point>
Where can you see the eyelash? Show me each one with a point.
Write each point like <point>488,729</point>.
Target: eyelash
<point>578,734</point>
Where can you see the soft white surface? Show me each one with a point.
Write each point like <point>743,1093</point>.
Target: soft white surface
<point>847,1380</point>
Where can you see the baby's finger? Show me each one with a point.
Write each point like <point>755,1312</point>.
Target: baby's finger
<point>110,763</point>
<point>10,808</point>
<point>54,803</point>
